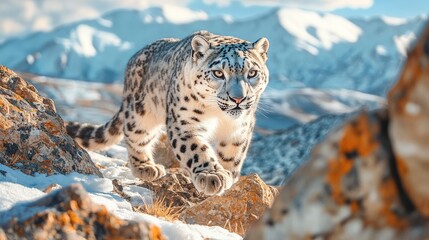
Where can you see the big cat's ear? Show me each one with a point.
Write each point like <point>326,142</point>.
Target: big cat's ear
<point>262,45</point>
<point>199,47</point>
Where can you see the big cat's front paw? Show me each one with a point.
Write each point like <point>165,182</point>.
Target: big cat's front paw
<point>212,182</point>
<point>149,172</point>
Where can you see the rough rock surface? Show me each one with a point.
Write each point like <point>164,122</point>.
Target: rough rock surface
<point>235,210</point>
<point>175,189</point>
<point>69,213</point>
<point>238,208</point>
<point>367,180</point>
<point>32,135</point>
<point>409,129</point>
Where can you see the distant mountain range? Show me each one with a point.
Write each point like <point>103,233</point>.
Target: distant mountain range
<point>307,49</point>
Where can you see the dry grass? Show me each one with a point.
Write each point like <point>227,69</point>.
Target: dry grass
<point>161,210</point>
<point>235,226</point>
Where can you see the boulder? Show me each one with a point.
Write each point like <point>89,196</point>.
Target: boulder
<point>367,179</point>
<point>69,213</point>
<point>238,208</point>
<point>409,124</point>
<point>32,135</point>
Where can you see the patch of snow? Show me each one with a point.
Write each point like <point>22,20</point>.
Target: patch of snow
<point>181,15</point>
<point>81,40</point>
<point>179,230</point>
<point>381,50</point>
<point>139,196</point>
<point>63,60</point>
<point>91,183</point>
<point>105,22</point>
<point>73,94</point>
<point>13,193</point>
<point>30,59</point>
<point>114,168</point>
<point>402,42</point>
<point>228,18</point>
<point>111,201</point>
<point>393,21</point>
<point>307,47</point>
<point>326,30</point>
<point>86,40</point>
<point>147,19</point>
<point>159,19</point>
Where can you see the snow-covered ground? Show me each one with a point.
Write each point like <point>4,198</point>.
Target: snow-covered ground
<point>16,187</point>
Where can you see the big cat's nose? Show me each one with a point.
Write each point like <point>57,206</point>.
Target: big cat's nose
<point>237,91</point>
<point>237,100</point>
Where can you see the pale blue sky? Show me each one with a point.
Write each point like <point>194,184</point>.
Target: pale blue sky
<point>393,8</point>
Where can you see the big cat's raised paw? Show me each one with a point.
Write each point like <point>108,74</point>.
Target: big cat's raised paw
<point>213,182</point>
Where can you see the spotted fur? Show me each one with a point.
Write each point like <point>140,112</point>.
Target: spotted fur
<point>203,91</point>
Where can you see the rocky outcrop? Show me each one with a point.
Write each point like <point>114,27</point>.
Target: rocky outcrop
<point>238,208</point>
<point>32,135</point>
<point>69,213</point>
<point>367,180</point>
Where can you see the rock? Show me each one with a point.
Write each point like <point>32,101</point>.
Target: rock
<point>349,189</point>
<point>367,180</point>
<point>32,135</point>
<point>69,213</point>
<point>52,187</point>
<point>176,188</point>
<point>236,209</point>
<point>409,113</point>
<point>163,153</point>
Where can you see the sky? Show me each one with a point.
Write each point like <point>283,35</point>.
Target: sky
<point>19,17</point>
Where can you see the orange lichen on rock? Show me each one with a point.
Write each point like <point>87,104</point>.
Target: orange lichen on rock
<point>401,166</point>
<point>32,135</point>
<point>83,219</point>
<point>389,197</point>
<point>359,137</point>
<point>337,168</point>
<point>155,233</point>
<point>54,128</point>
<point>357,142</point>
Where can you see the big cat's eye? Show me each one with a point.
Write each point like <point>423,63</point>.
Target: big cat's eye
<point>218,74</point>
<point>252,74</point>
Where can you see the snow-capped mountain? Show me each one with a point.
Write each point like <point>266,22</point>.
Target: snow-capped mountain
<point>307,49</point>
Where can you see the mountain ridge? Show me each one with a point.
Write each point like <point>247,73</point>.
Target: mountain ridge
<point>365,58</point>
